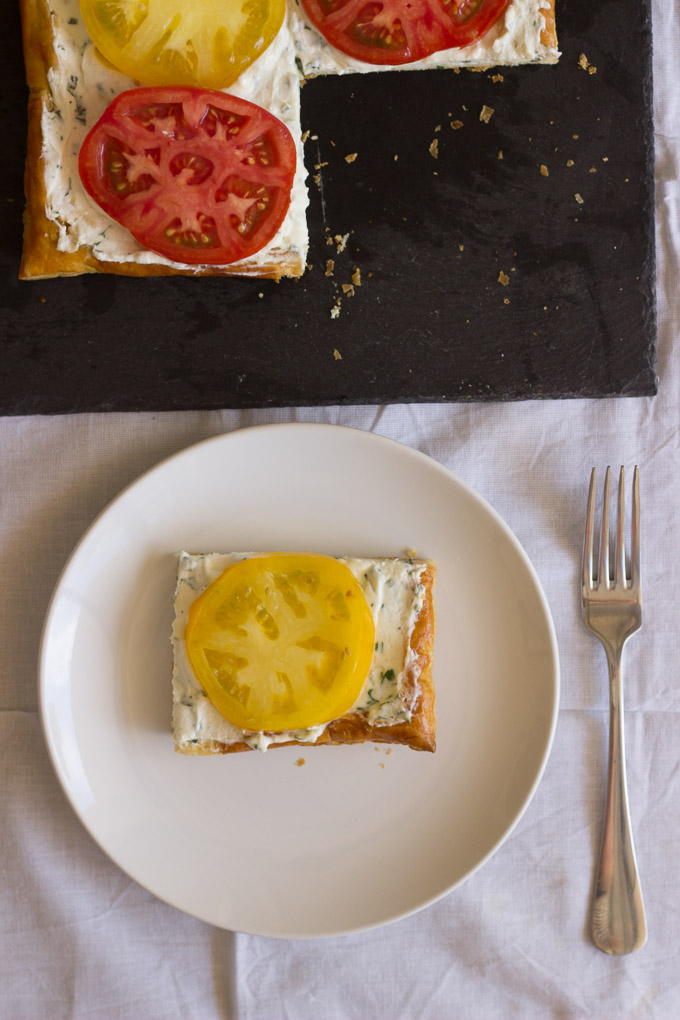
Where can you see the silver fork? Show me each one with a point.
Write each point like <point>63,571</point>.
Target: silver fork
<point>612,611</point>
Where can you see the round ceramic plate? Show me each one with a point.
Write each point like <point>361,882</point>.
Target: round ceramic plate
<point>356,836</point>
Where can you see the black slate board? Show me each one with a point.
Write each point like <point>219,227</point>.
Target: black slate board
<point>430,235</point>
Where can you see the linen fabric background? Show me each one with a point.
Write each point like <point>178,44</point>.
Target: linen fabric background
<point>79,939</point>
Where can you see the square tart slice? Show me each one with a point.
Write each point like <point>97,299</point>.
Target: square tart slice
<point>396,704</point>
<point>70,85</point>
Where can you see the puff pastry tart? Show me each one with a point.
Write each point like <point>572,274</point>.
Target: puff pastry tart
<point>282,649</point>
<point>193,184</point>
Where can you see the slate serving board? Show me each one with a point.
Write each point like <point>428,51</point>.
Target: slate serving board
<point>512,259</point>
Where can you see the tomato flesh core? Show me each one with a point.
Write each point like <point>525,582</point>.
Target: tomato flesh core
<point>281,642</point>
<point>196,176</point>
<point>401,31</point>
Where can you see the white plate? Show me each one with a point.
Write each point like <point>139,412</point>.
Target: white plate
<point>357,836</point>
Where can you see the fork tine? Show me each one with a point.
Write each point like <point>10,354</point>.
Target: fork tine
<point>620,560</point>
<point>635,550</point>
<point>603,569</point>
<point>587,573</point>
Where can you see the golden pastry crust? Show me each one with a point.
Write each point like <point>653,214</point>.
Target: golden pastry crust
<point>549,30</point>
<point>41,258</point>
<point>352,728</point>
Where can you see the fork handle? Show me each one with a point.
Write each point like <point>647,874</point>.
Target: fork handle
<point>618,914</point>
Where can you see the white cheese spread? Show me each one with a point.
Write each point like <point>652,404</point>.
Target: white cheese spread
<point>82,85</point>
<point>394,593</point>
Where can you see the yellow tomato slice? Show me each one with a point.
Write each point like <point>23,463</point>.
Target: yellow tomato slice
<point>282,641</point>
<point>207,43</point>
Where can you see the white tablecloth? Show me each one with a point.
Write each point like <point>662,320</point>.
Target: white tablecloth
<point>79,939</point>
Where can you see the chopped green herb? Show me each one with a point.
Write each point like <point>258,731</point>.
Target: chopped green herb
<point>388,674</point>
<point>80,109</point>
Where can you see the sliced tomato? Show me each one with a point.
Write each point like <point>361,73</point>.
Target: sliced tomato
<point>182,42</point>
<point>282,641</point>
<point>401,31</point>
<point>195,175</point>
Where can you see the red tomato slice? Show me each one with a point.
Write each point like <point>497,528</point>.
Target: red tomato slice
<point>195,175</point>
<point>401,31</point>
